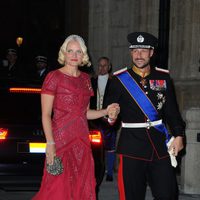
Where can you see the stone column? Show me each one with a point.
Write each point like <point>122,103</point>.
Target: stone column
<point>190,168</point>
<point>111,20</point>
<point>184,53</point>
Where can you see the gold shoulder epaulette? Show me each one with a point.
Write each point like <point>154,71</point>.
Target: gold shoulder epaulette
<point>162,70</point>
<point>120,71</point>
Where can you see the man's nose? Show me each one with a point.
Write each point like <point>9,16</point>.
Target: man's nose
<point>139,54</point>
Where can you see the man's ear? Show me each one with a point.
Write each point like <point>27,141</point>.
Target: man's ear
<point>151,52</point>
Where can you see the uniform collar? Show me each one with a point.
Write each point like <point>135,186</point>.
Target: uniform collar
<point>138,72</point>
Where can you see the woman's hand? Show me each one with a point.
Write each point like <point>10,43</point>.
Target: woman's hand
<point>113,111</point>
<point>50,153</point>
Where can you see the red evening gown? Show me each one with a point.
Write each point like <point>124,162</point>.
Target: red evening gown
<point>70,129</point>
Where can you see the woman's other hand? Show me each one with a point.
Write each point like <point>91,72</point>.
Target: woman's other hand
<point>50,153</point>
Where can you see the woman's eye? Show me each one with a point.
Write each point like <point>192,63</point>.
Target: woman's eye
<point>79,51</point>
<point>69,51</point>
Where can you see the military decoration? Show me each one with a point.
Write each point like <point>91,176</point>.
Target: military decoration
<point>140,39</point>
<point>161,100</point>
<point>158,85</point>
<point>143,82</point>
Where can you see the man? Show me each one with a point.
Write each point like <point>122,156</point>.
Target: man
<point>100,82</point>
<point>100,85</point>
<point>41,67</point>
<point>10,65</point>
<point>147,100</point>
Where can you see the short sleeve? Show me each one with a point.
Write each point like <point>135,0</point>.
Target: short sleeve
<point>50,84</point>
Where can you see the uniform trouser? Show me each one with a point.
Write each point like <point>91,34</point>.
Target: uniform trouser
<point>109,141</point>
<point>110,160</point>
<point>134,176</point>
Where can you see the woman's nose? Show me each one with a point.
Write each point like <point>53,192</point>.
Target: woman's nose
<point>75,54</point>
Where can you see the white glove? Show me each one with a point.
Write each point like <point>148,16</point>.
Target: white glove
<point>172,156</point>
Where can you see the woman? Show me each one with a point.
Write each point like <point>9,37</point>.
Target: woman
<point>66,93</point>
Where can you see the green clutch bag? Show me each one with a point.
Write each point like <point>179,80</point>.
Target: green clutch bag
<point>56,168</point>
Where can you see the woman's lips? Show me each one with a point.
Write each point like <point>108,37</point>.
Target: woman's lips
<point>75,60</point>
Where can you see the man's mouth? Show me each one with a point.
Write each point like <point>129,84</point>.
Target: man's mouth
<point>139,60</point>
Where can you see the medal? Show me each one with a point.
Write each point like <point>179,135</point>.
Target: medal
<point>143,82</point>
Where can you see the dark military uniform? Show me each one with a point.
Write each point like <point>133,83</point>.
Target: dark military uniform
<point>41,69</point>
<point>13,68</point>
<point>93,99</point>
<point>142,143</point>
<point>109,132</point>
<point>144,157</point>
<point>100,123</point>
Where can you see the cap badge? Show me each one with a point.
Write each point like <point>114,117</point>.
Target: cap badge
<point>140,39</point>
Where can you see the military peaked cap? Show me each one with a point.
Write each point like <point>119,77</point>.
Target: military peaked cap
<point>142,40</point>
<point>12,51</point>
<point>41,59</point>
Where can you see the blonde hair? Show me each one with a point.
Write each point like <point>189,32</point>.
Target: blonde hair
<point>63,48</point>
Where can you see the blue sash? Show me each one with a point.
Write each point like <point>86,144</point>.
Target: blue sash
<point>142,101</point>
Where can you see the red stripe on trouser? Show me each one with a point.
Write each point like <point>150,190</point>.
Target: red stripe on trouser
<point>121,180</point>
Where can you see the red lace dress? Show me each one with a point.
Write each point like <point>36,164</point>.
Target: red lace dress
<point>70,129</point>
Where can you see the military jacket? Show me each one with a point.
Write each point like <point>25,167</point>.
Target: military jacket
<point>143,143</point>
<point>93,99</point>
<point>101,123</point>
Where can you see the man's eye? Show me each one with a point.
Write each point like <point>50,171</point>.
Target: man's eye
<point>145,50</point>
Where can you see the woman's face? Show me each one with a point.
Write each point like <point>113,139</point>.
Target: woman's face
<point>74,54</point>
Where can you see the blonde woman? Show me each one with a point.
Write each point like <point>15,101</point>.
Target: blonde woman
<point>65,95</point>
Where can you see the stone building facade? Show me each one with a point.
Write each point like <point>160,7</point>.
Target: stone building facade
<point>109,23</point>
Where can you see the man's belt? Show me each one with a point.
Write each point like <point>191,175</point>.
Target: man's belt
<point>147,124</point>
<point>143,102</point>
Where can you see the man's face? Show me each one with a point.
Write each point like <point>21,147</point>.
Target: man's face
<point>41,65</point>
<point>12,58</point>
<point>103,67</point>
<point>141,57</point>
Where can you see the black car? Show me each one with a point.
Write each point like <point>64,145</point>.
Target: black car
<point>22,141</point>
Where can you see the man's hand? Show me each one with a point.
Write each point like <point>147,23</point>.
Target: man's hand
<point>177,145</point>
<point>113,111</point>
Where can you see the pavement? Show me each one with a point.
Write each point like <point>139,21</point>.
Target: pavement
<point>109,191</point>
